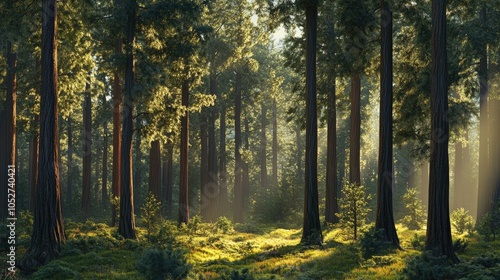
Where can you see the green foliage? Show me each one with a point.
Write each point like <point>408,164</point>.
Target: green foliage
<point>88,243</point>
<point>273,206</point>
<point>56,270</point>
<point>150,212</point>
<point>462,221</point>
<point>372,244</point>
<point>166,235</point>
<point>489,225</point>
<point>224,225</point>
<point>244,274</point>
<point>353,209</point>
<point>160,264</point>
<point>417,242</point>
<point>459,245</point>
<point>248,228</point>
<point>415,214</point>
<point>115,204</point>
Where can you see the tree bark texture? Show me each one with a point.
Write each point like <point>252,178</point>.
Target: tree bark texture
<point>168,179</point>
<point>184,159</point>
<point>104,186</point>
<point>385,214</point>
<point>155,169</point>
<point>331,203</point>
<point>33,164</point>
<point>87,152</point>
<point>274,179</point>
<point>263,146</point>
<point>212,189</point>
<point>126,224</point>
<point>438,237</point>
<point>69,182</point>
<point>223,195</point>
<point>48,228</point>
<point>354,156</point>
<point>117,138</point>
<point>245,179</point>
<point>203,166</point>
<point>238,164</point>
<point>311,233</point>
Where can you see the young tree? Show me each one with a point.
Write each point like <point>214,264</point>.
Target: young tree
<point>184,159</point>
<point>354,210</point>
<point>155,170</point>
<point>48,229</point>
<point>438,237</point>
<point>385,215</point>
<point>117,104</point>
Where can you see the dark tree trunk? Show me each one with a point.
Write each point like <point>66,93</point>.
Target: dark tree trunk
<point>184,159</point>
<point>126,225</point>
<point>8,154</point>
<point>104,186</point>
<point>263,147</point>
<point>438,221</point>
<point>33,165</point>
<point>48,228</point>
<point>223,195</point>
<point>212,189</point>
<point>331,204</point>
<point>155,170</point>
<point>299,155</point>
<point>311,234</point>
<point>137,159</point>
<point>385,215</point>
<point>203,166</point>
<point>275,145</point>
<point>168,179</point>
<point>238,164</point>
<point>69,182</point>
<point>245,180</point>
<point>354,156</point>
<point>87,152</point>
<point>117,137</point>
<point>424,187</point>
<point>484,184</point>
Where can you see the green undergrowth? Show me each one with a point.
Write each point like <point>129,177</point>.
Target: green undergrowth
<point>224,251</point>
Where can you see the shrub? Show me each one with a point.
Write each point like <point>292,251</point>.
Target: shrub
<point>428,266</point>
<point>166,234</point>
<point>243,275</point>
<point>87,243</point>
<point>462,221</point>
<point>460,245</point>
<point>353,208</point>
<point>415,214</point>
<point>489,225</point>
<point>150,210</point>
<point>417,242</point>
<point>372,243</point>
<point>56,270</point>
<point>160,264</point>
<point>224,225</point>
<point>248,228</point>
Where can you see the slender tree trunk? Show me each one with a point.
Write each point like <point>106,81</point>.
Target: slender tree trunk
<point>8,155</point>
<point>168,179</point>
<point>87,152</point>
<point>484,184</point>
<point>311,233</point>
<point>126,225</point>
<point>331,204</point>
<point>354,156</point>
<point>117,138</point>
<point>238,188</point>
<point>212,180</point>
<point>438,221</point>
<point>48,228</point>
<point>184,159</point>
<point>155,170</point>
<point>299,155</point>
<point>275,145</point>
<point>385,215</point>
<point>69,182</point>
<point>33,166</point>
<point>263,147</point>
<point>104,186</point>
<point>223,195</point>
<point>137,159</point>
<point>203,166</point>
<point>245,180</point>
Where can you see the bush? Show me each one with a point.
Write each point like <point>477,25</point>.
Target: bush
<point>243,275</point>
<point>248,228</point>
<point>460,245</point>
<point>428,266</point>
<point>415,214</point>
<point>150,210</point>
<point>224,225</point>
<point>85,244</point>
<point>372,243</point>
<point>56,270</point>
<point>166,234</point>
<point>417,242</point>
<point>489,225</point>
<point>160,264</point>
<point>353,208</point>
<point>462,221</point>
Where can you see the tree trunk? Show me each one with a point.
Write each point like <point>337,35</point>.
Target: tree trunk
<point>48,228</point>
<point>275,145</point>
<point>311,233</point>
<point>203,166</point>
<point>385,215</point>
<point>438,236</point>
<point>117,138</point>
<point>238,164</point>
<point>33,165</point>
<point>87,152</point>
<point>184,159</point>
<point>104,186</point>
<point>212,180</point>
<point>245,180</point>
<point>223,195</point>
<point>354,156</point>
<point>8,155</point>
<point>263,147</point>
<point>155,170</point>
<point>69,182</point>
<point>484,183</point>
<point>168,179</point>
<point>331,204</point>
<point>137,170</point>
<point>126,225</point>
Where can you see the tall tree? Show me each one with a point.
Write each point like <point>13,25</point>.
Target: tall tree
<point>385,215</point>
<point>168,179</point>
<point>355,142</point>
<point>69,163</point>
<point>184,159</point>
<point>126,225</point>
<point>104,177</point>
<point>238,163</point>
<point>274,179</point>
<point>438,237</point>
<point>48,228</point>
<point>33,164</point>
<point>311,233</point>
<point>263,145</point>
<point>87,152</point>
<point>117,104</point>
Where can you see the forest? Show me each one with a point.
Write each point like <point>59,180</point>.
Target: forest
<point>250,139</point>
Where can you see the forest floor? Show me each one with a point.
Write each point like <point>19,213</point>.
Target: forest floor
<point>219,251</point>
